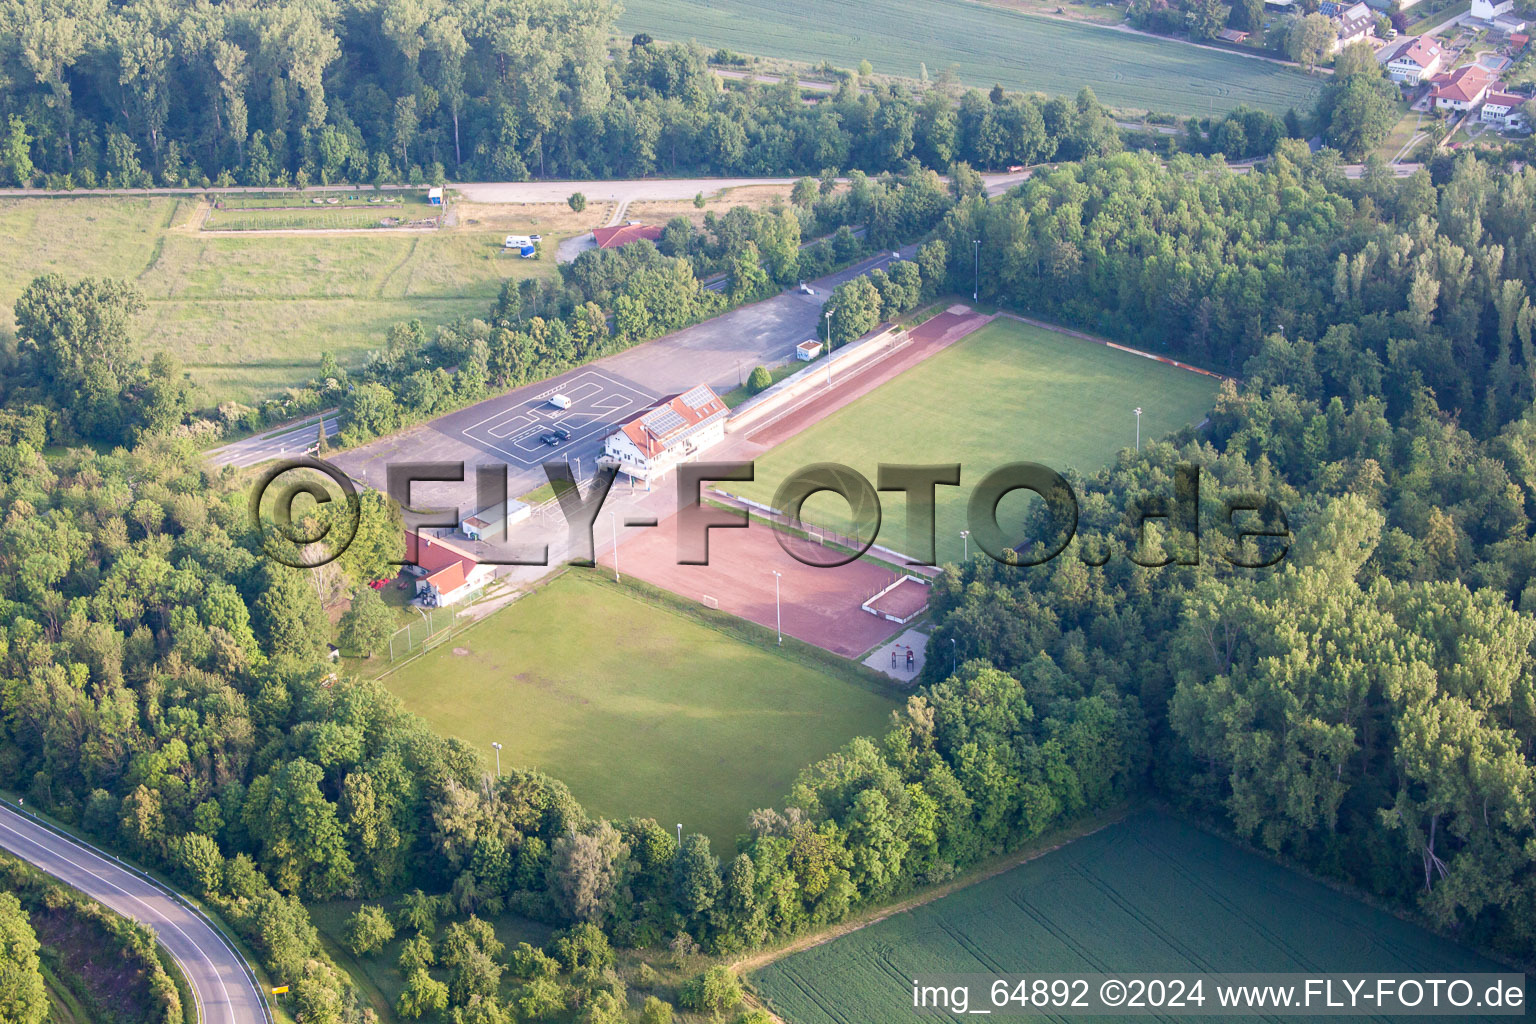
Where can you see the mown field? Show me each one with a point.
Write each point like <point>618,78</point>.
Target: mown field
<point>250,315</point>
<point>643,711</point>
<point>1147,894</point>
<point>984,44</point>
<point>1010,392</point>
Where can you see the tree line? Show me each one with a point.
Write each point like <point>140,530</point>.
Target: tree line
<point>146,93</point>
<point>1364,710</point>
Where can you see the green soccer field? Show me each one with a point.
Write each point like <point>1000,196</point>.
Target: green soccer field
<point>1010,392</point>
<point>1148,894</point>
<point>643,711</point>
<point>984,44</point>
<point>249,315</point>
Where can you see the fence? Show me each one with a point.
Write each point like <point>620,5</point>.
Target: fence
<point>432,625</point>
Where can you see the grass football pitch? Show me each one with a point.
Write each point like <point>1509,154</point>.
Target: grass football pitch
<point>642,710</point>
<point>984,44</point>
<point>250,314</point>
<point>1148,894</point>
<point>1009,392</point>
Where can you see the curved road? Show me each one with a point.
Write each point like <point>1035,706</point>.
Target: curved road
<point>223,988</point>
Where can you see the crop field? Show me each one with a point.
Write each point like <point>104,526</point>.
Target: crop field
<point>984,44</point>
<point>250,315</point>
<point>642,710</point>
<point>1147,894</point>
<point>1010,392</point>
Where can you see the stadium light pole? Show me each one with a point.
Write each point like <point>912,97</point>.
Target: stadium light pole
<point>976,270</point>
<point>679,835</point>
<point>954,665</point>
<point>613,519</point>
<point>829,346</point>
<point>965,538</point>
<point>778,618</point>
<point>1138,428</point>
<point>498,759</point>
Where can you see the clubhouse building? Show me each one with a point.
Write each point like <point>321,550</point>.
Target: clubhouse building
<point>675,430</point>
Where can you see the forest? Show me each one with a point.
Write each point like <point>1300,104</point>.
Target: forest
<point>1367,711</point>
<point>422,90</point>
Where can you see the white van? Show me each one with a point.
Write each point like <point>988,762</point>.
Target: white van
<point>559,401</point>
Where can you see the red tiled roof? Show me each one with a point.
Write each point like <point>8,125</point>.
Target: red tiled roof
<point>1465,84</point>
<point>447,566</point>
<point>673,419</point>
<point>1420,50</point>
<point>1504,99</point>
<point>448,579</point>
<point>612,238</point>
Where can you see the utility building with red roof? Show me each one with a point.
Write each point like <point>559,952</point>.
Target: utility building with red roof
<point>445,573</point>
<point>623,234</point>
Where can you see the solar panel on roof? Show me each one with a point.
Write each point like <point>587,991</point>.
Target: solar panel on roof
<point>698,397</point>
<point>662,421</point>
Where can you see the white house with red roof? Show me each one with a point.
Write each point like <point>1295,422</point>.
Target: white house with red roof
<point>445,572</point>
<point>674,431</point>
<point>1462,89</point>
<point>1414,59</point>
<point>1502,109</point>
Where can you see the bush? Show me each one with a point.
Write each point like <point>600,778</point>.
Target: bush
<point>714,992</point>
<point>577,202</point>
<point>368,930</point>
<point>760,380</point>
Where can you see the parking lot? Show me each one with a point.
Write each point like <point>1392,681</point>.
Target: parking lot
<point>507,428</point>
<point>518,433</point>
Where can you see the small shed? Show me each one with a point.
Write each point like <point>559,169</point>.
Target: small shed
<point>808,350</point>
<point>435,195</point>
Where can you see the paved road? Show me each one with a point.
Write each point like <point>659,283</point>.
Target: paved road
<point>221,984</point>
<point>279,442</point>
<point>719,352</point>
<point>622,191</point>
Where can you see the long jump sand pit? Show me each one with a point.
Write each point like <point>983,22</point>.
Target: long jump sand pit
<point>821,606</point>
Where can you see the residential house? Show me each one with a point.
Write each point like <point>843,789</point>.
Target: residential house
<point>1487,10</point>
<point>1414,59</point>
<point>674,431</point>
<point>1354,23</point>
<point>1462,89</point>
<point>1502,109</point>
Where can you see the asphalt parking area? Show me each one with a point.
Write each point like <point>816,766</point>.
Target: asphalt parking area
<point>598,402</point>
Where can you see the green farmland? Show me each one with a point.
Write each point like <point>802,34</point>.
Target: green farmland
<point>984,44</point>
<point>1009,392</point>
<point>642,710</point>
<point>249,314</point>
<point>1148,894</point>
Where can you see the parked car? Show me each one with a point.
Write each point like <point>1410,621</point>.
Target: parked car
<point>560,401</point>
<point>559,435</point>
<point>806,289</point>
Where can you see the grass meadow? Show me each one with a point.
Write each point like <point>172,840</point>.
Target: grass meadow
<point>1010,392</point>
<point>1146,894</point>
<point>643,709</point>
<point>249,315</point>
<point>984,44</point>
